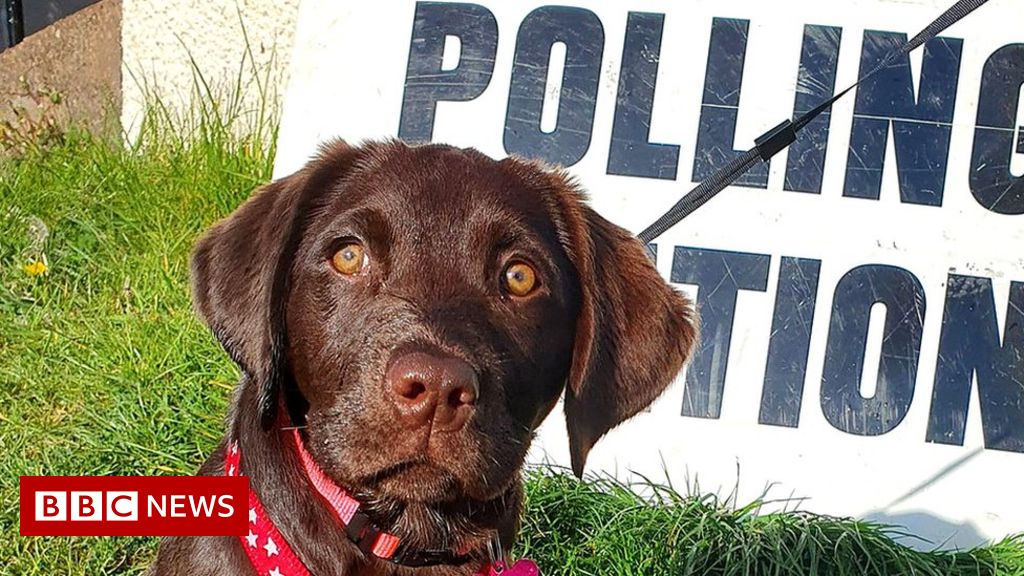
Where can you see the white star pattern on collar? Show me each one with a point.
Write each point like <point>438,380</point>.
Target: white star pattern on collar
<point>275,558</point>
<point>270,547</point>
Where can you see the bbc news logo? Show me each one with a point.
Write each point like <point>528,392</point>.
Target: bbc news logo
<point>82,506</point>
<point>117,506</point>
<point>134,505</point>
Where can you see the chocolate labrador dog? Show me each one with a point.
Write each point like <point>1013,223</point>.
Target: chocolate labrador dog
<point>405,317</point>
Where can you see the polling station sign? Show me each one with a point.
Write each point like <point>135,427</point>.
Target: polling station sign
<point>861,295</point>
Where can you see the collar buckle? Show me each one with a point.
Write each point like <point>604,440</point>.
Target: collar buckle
<point>362,532</point>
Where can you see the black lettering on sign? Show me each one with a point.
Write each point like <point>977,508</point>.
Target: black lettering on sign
<point>920,129</point>
<point>631,153</point>
<point>583,36</point>
<point>841,400</point>
<point>968,347</point>
<point>720,105</point>
<point>426,83</point>
<point>789,342</point>
<point>992,183</point>
<point>719,276</point>
<point>816,82</point>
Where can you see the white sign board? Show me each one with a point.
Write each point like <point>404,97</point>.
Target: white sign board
<point>862,297</point>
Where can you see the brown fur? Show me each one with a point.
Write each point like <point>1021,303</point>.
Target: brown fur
<point>439,224</point>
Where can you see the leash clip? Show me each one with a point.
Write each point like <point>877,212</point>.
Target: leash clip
<point>774,140</point>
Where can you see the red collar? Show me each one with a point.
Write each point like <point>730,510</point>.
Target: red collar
<point>270,554</point>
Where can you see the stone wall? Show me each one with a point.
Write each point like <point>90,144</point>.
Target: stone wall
<point>71,69</point>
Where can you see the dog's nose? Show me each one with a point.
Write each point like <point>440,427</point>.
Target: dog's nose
<point>427,387</point>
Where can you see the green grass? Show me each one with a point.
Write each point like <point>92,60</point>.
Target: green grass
<point>105,370</point>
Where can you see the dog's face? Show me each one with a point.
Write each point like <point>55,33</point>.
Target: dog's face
<point>421,309</point>
<point>430,321</point>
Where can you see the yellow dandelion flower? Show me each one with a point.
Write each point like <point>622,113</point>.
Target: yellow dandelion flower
<point>35,268</point>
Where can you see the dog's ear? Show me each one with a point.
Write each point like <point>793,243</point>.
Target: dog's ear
<point>240,270</point>
<point>634,332</point>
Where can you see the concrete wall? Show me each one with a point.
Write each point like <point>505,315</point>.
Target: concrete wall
<point>71,69</point>
<point>161,38</point>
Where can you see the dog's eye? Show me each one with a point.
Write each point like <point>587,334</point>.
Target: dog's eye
<point>520,278</point>
<point>350,259</point>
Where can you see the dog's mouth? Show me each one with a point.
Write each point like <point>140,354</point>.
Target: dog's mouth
<point>424,504</point>
<point>413,480</point>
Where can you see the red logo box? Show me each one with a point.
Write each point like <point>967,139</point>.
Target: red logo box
<point>134,505</point>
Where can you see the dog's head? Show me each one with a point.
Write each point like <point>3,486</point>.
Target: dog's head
<point>421,309</point>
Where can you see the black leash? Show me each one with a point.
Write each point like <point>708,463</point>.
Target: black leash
<point>781,136</point>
